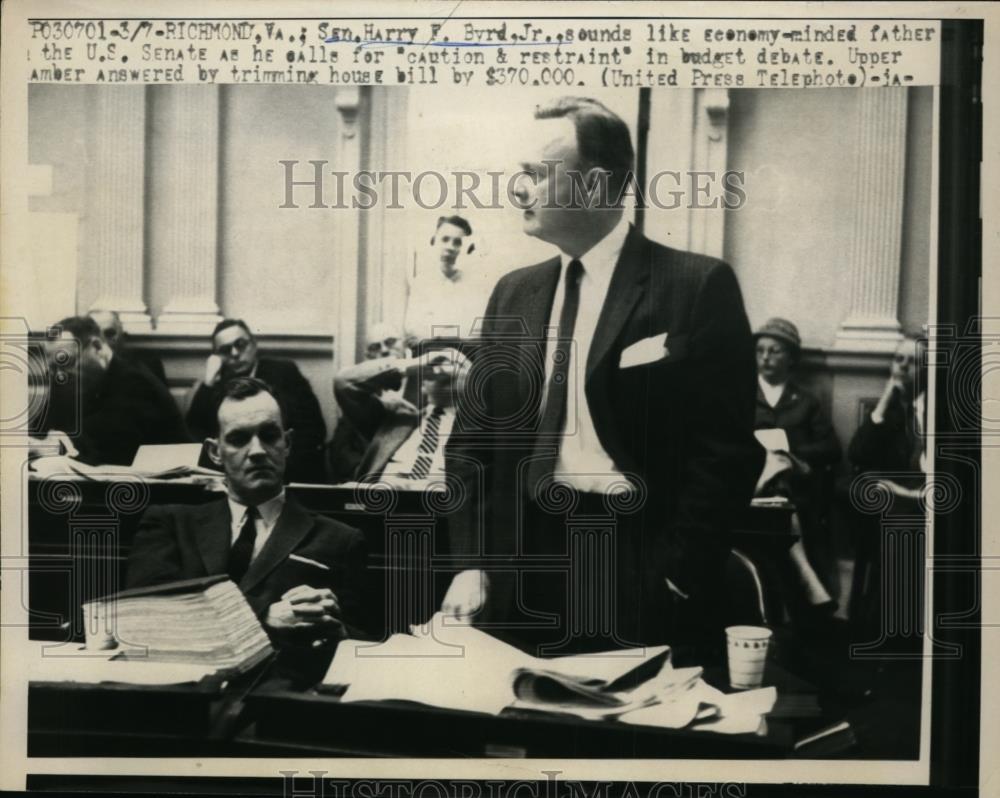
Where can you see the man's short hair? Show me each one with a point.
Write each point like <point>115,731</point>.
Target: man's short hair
<point>458,221</point>
<point>240,388</point>
<point>83,328</point>
<point>602,138</point>
<point>225,324</point>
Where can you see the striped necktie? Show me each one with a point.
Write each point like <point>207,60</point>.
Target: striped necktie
<point>428,445</point>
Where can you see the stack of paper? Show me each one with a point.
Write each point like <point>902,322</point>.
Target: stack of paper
<point>456,666</point>
<point>197,621</point>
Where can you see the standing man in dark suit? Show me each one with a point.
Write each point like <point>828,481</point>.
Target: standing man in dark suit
<point>608,444</point>
<point>300,573</point>
<point>99,406</point>
<point>234,354</point>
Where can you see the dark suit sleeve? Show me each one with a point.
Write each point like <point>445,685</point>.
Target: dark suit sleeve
<point>155,557</point>
<point>351,592</point>
<point>133,411</point>
<point>469,461</point>
<point>302,407</point>
<point>721,457</point>
<point>201,414</point>
<point>819,446</point>
<point>357,387</point>
<point>880,447</point>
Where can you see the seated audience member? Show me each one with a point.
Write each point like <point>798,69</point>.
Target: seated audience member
<point>111,328</point>
<point>348,444</point>
<point>889,446</point>
<point>406,445</point>
<point>445,299</point>
<point>800,471</point>
<point>234,354</point>
<point>301,573</point>
<point>100,407</point>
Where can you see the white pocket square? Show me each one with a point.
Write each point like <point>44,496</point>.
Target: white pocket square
<point>648,350</point>
<point>307,561</point>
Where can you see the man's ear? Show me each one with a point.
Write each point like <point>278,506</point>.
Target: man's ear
<point>433,240</point>
<point>471,249</point>
<point>212,447</point>
<point>597,175</point>
<point>289,437</point>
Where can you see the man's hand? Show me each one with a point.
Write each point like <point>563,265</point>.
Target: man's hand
<point>447,358</point>
<point>305,608</point>
<point>899,491</point>
<point>893,387</point>
<point>213,370</point>
<point>796,464</point>
<point>467,594</point>
<point>395,404</point>
<point>54,443</point>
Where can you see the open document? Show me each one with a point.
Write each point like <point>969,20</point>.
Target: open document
<point>444,664</point>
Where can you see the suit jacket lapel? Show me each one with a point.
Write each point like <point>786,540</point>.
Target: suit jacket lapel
<point>536,309</point>
<point>542,291</point>
<point>213,536</point>
<point>292,526</point>
<point>624,291</point>
<point>390,436</point>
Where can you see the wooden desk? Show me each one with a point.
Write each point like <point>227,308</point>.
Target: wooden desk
<point>74,719</point>
<point>80,533</point>
<point>211,719</point>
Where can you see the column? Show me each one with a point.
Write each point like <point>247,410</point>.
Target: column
<point>387,253</point>
<point>114,224</point>
<point>688,133</point>
<point>711,145</point>
<point>347,226</point>
<point>189,215</point>
<point>874,255</point>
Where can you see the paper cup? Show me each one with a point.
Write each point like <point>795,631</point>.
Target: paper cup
<point>746,647</point>
<point>98,627</point>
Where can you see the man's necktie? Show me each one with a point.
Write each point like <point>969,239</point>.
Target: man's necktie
<point>428,445</point>
<point>242,551</point>
<point>553,420</point>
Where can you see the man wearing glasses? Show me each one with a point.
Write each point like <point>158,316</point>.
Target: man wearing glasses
<point>234,354</point>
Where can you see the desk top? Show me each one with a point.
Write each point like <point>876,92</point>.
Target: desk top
<point>274,719</point>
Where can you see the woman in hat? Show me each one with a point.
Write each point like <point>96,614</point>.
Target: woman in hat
<point>798,459</point>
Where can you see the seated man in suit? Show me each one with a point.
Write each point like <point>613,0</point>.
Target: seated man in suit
<point>406,445</point>
<point>234,354</point>
<point>299,572</point>
<point>111,329</point>
<point>348,445</point>
<point>100,408</point>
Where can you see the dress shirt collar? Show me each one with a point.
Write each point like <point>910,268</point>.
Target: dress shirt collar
<point>269,510</point>
<point>599,261</point>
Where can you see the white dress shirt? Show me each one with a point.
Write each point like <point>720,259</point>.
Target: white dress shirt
<point>405,457</point>
<point>772,393</point>
<point>440,306</point>
<point>267,516</point>
<point>583,463</point>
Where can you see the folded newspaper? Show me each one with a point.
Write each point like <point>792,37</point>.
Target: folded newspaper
<point>456,666</point>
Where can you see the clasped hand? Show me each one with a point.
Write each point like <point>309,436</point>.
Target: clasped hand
<point>305,608</point>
